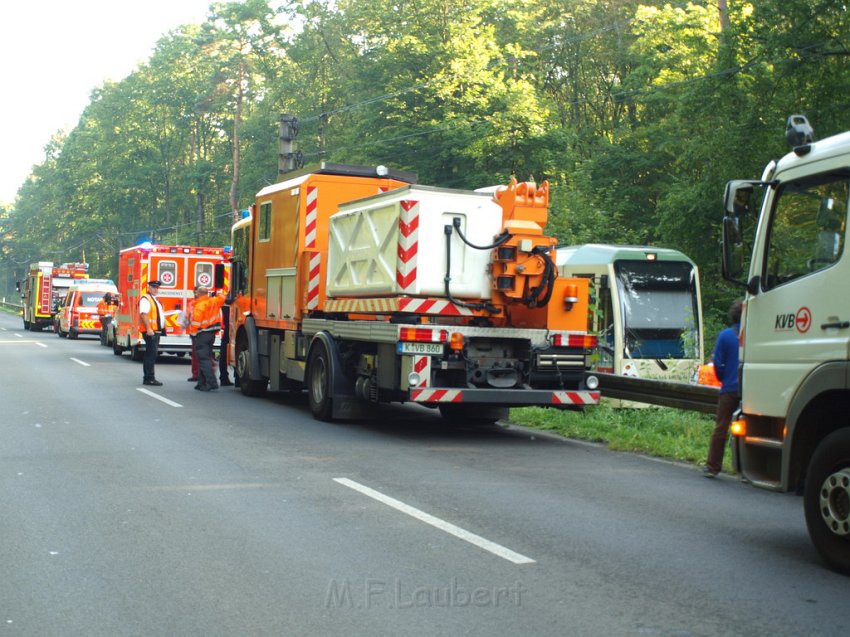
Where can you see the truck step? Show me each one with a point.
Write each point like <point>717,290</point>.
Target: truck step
<point>770,443</point>
<point>771,485</point>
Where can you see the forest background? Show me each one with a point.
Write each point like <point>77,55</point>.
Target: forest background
<point>636,112</point>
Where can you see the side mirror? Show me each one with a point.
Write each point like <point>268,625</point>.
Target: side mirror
<point>218,276</point>
<point>738,197</point>
<point>733,254</point>
<point>235,280</point>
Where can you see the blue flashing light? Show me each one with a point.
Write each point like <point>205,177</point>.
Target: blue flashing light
<point>146,245</point>
<point>246,213</point>
<point>228,249</point>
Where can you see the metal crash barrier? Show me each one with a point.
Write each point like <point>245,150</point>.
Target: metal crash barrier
<point>659,392</point>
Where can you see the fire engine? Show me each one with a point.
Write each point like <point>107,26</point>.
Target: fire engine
<point>793,433</point>
<point>45,286</point>
<point>363,287</point>
<point>180,269</point>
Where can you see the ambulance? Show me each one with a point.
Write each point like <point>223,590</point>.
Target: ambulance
<point>179,269</point>
<point>77,312</point>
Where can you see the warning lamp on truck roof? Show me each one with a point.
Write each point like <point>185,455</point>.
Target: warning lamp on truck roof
<point>570,295</point>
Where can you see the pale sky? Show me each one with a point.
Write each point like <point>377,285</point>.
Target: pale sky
<point>53,53</point>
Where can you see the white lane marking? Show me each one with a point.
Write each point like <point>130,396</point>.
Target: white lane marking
<point>158,397</point>
<point>463,534</point>
<point>16,342</point>
<point>18,335</point>
<point>83,363</point>
<point>41,344</point>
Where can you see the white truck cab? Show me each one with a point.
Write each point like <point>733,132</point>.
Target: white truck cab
<point>794,429</point>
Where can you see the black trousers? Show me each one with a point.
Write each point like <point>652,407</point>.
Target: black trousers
<point>104,326</point>
<point>726,406</point>
<point>151,350</point>
<point>204,348</point>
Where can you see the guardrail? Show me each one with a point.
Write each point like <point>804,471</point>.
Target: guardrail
<point>666,393</point>
<point>10,307</point>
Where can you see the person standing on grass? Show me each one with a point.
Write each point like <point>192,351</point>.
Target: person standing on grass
<point>726,370</point>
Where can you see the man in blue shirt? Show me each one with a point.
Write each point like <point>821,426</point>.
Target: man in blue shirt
<point>726,370</point>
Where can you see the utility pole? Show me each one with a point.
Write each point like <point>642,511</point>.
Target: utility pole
<point>288,160</point>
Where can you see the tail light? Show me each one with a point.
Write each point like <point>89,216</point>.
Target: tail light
<point>423,335</point>
<point>585,341</point>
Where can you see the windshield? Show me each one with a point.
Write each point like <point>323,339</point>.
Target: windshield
<point>90,299</point>
<point>658,303</point>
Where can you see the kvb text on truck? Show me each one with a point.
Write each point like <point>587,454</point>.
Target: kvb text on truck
<point>793,433</point>
<point>364,287</point>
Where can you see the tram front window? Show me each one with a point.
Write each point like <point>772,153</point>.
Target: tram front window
<point>658,304</point>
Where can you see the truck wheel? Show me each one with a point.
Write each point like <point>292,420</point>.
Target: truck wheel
<point>827,500</point>
<point>471,414</point>
<point>252,387</point>
<point>319,382</point>
<point>117,349</point>
<point>61,333</point>
<point>72,333</point>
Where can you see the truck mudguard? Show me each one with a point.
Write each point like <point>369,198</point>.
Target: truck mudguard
<point>253,348</point>
<point>832,376</point>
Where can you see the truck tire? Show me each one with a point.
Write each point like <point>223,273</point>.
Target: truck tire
<point>117,349</point>
<point>72,333</point>
<point>827,500</point>
<point>319,382</point>
<point>472,414</point>
<point>61,333</point>
<point>252,387</point>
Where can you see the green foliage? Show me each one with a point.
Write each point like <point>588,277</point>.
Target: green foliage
<point>637,113</point>
<point>665,433</point>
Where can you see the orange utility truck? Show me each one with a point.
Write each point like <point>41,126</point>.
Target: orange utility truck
<point>45,286</point>
<point>363,287</point>
<point>180,269</point>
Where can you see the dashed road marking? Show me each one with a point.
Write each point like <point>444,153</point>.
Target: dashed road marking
<point>158,397</point>
<point>83,363</point>
<point>463,534</point>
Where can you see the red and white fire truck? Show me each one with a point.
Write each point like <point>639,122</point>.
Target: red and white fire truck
<point>45,286</point>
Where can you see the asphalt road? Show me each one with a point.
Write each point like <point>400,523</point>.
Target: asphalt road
<point>217,514</point>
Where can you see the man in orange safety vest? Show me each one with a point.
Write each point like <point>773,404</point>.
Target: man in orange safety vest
<point>206,322</point>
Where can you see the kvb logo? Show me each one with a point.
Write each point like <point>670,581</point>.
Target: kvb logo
<point>801,321</point>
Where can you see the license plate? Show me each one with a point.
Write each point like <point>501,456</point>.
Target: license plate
<point>422,349</point>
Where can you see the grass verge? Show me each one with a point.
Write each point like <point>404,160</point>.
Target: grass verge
<point>656,431</point>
